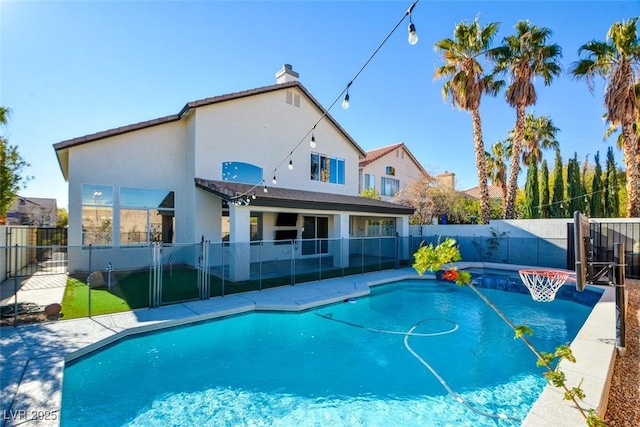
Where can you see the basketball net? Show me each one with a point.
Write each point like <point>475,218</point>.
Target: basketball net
<point>543,284</point>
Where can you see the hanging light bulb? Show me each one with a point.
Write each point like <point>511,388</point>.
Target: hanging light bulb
<point>265,189</point>
<point>274,180</point>
<point>345,102</point>
<point>313,141</point>
<point>413,36</point>
<point>290,164</point>
<point>561,205</point>
<point>585,199</point>
<point>253,196</point>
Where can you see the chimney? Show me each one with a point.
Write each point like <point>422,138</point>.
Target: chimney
<point>286,75</point>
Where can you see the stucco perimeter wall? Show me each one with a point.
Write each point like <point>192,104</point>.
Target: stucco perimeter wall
<point>263,130</point>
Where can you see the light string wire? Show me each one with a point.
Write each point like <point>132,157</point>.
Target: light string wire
<point>591,194</point>
<point>326,111</point>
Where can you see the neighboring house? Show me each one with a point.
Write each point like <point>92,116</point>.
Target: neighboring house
<point>33,211</point>
<point>495,193</point>
<point>388,169</point>
<point>206,172</point>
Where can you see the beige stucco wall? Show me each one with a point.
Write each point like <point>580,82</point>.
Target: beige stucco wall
<point>405,168</point>
<point>263,130</point>
<point>151,158</point>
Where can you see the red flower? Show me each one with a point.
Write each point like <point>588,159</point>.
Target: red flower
<point>450,275</point>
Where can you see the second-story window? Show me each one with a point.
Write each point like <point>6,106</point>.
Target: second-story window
<point>389,186</point>
<point>327,169</point>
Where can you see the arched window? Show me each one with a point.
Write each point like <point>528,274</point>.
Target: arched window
<point>241,172</point>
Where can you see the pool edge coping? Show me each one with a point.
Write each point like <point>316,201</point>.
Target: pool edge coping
<point>548,408</point>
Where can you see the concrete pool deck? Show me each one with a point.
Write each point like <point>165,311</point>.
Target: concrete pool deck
<point>32,357</point>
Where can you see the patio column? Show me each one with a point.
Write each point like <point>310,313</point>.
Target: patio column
<point>341,230</point>
<point>239,237</point>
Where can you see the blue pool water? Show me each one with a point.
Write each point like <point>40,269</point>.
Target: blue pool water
<point>345,364</point>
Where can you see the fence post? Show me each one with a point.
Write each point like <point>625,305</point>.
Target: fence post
<point>618,273</point>
<point>15,287</point>
<point>260,264</point>
<point>89,279</point>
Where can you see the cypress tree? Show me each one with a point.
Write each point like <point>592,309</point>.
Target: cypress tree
<point>596,205</point>
<point>531,191</point>
<point>612,201</point>
<point>557,207</point>
<point>574,187</point>
<point>545,208</point>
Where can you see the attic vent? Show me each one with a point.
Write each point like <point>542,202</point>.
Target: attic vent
<point>293,98</point>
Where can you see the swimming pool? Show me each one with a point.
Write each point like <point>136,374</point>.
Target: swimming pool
<point>344,364</point>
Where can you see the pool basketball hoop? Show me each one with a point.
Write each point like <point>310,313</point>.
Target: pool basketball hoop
<point>543,284</point>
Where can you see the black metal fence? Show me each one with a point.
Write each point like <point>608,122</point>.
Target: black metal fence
<point>604,235</point>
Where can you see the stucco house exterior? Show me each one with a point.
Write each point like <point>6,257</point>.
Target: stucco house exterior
<point>388,169</point>
<point>266,164</point>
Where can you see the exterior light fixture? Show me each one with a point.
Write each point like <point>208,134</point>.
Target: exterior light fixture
<point>413,36</point>
<point>345,102</point>
<point>313,141</point>
<point>265,189</point>
<point>253,196</point>
<point>274,180</point>
<point>290,164</point>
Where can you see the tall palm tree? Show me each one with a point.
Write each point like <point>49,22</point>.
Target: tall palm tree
<point>467,82</point>
<point>617,60</point>
<point>524,56</point>
<point>497,167</point>
<point>539,133</point>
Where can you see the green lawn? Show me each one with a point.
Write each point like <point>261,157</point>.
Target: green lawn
<point>132,289</point>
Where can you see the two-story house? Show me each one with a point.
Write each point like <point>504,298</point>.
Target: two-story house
<point>266,164</point>
<point>388,169</point>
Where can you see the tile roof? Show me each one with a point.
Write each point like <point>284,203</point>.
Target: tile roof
<point>203,102</point>
<point>378,153</point>
<point>289,198</point>
<point>495,192</point>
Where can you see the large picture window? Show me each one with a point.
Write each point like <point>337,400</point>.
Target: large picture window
<point>146,216</point>
<point>389,186</point>
<point>327,169</point>
<point>97,214</point>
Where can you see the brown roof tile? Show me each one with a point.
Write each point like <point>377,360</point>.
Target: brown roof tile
<point>494,192</point>
<point>286,197</point>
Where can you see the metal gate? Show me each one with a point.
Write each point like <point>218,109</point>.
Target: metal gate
<point>33,250</point>
<point>603,237</point>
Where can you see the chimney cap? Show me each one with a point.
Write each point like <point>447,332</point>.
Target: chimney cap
<point>286,74</point>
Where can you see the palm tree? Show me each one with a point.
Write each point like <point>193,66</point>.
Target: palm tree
<point>539,133</point>
<point>497,167</point>
<point>524,56</point>
<point>467,82</point>
<point>618,61</point>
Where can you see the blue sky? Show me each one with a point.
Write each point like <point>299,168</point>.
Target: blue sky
<point>73,68</point>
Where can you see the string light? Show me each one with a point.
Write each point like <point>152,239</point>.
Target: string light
<point>413,36</point>
<point>265,189</point>
<point>345,102</point>
<point>274,180</point>
<point>413,39</point>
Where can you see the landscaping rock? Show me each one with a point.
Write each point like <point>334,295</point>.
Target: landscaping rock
<point>96,280</point>
<point>52,311</point>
